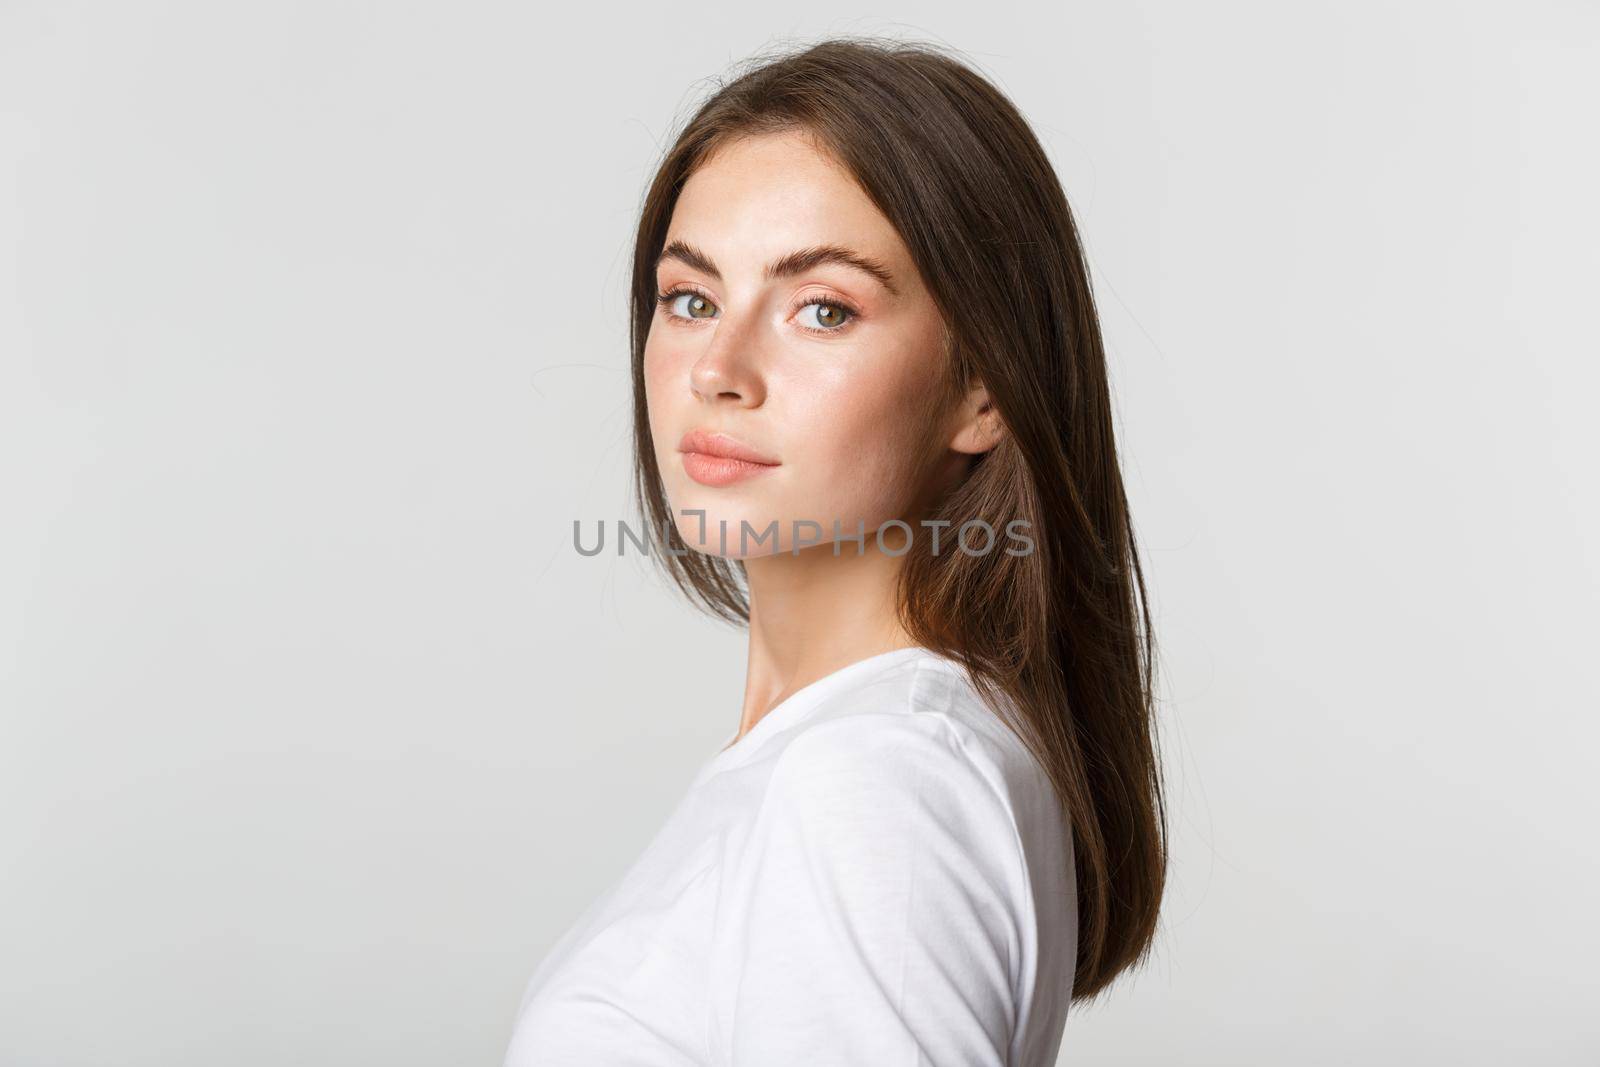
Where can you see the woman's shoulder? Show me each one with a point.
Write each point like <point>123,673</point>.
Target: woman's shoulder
<point>887,783</point>
<point>896,814</point>
<point>922,723</point>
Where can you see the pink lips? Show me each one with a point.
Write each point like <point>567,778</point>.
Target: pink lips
<point>717,459</point>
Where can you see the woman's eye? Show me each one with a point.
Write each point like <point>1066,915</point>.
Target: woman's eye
<point>827,317</point>
<point>691,306</point>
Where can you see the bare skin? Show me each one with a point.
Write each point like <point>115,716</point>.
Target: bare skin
<point>821,370</point>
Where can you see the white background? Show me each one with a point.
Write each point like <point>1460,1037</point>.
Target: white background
<point>317,731</point>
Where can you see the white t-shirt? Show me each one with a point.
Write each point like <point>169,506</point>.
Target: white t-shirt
<point>877,873</point>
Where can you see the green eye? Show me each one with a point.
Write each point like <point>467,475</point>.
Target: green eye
<point>698,307</point>
<point>828,316</point>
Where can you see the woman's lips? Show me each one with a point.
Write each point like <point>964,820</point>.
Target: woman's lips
<point>721,470</point>
<point>716,459</point>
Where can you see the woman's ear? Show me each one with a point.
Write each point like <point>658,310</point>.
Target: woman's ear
<point>978,427</point>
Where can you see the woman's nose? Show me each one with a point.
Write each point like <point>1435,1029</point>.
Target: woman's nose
<point>729,367</point>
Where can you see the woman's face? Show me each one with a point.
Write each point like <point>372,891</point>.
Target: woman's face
<point>824,367</point>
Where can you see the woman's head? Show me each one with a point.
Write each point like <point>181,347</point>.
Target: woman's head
<point>793,319</point>
<point>972,388</point>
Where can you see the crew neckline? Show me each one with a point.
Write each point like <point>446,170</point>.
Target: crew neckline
<point>795,706</point>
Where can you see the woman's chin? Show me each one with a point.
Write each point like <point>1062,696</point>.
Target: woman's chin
<point>731,537</point>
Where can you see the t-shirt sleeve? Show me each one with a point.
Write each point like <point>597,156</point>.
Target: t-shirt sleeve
<point>875,913</point>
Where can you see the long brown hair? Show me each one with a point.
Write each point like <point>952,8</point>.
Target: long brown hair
<point>1061,634</point>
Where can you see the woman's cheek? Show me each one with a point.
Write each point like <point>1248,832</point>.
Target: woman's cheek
<point>859,483</point>
<point>659,405</point>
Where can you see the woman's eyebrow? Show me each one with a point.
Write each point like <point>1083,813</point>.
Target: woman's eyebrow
<point>796,262</point>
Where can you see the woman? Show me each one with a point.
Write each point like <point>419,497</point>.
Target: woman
<point>863,335</point>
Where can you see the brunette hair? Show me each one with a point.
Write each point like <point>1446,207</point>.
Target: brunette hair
<point>1062,634</point>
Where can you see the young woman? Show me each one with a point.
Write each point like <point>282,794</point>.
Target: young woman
<point>873,424</point>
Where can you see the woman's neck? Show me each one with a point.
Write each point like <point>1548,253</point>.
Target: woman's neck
<point>813,613</point>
